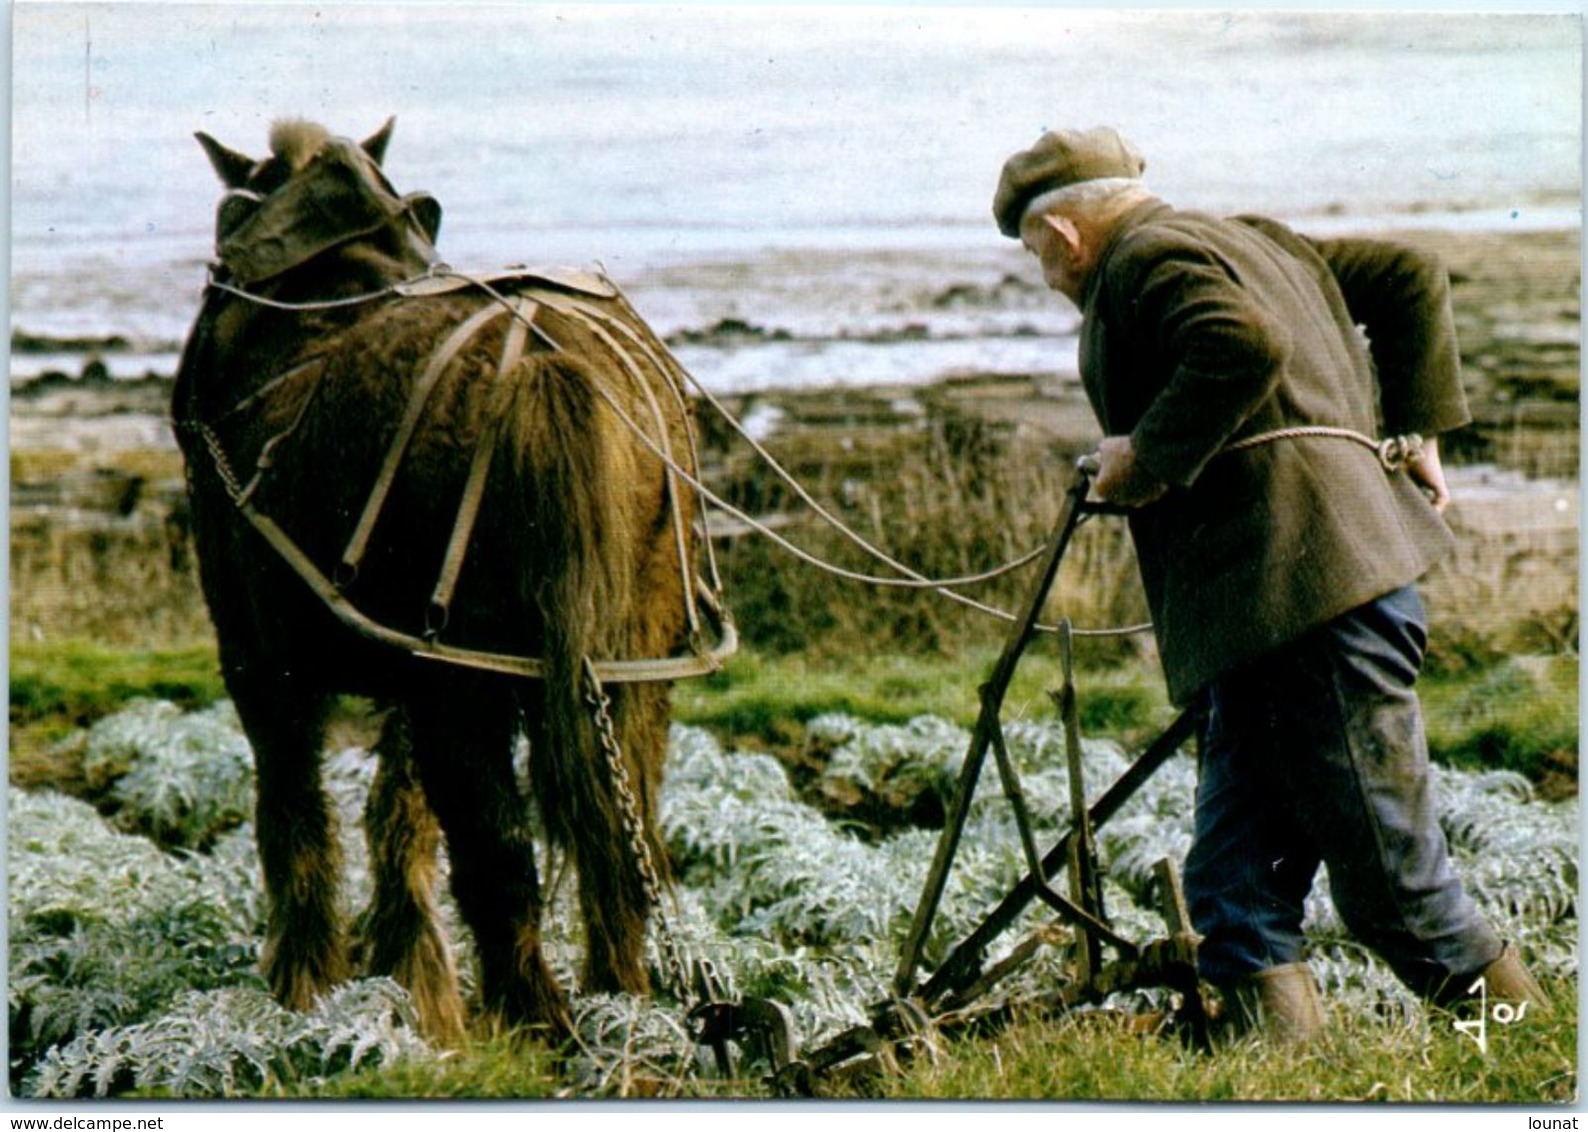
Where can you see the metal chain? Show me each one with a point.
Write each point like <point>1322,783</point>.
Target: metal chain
<point>601,713</point>
<point>223,466</point>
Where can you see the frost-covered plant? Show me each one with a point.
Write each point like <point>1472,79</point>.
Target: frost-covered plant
<point>1518,858</point>
<point>898,769</point>
<point>234,1041</point>
<point>180,778</point>
<point>106,929</point>
<point>138,965</point>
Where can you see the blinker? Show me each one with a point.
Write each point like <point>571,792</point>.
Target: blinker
<point>235,208</point>
<point>426,211</point>
<point>336,198</point>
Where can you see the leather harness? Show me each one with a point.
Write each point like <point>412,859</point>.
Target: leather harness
<point>558,289</point>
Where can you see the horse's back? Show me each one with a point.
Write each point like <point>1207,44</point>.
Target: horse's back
<point>379,423</point>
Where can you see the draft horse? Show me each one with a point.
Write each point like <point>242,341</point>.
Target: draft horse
<point>455,496</point>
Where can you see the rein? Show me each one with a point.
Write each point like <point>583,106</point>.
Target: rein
<point>322,305</point>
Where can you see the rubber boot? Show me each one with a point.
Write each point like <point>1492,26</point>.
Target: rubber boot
<point>1281,1002</point>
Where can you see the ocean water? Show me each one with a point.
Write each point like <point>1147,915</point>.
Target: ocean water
<point>823,174</point>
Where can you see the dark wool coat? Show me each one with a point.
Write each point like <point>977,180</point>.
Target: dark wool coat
<point>1198,332</point>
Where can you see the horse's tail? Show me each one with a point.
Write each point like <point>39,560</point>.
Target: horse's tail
<point>575,481</point>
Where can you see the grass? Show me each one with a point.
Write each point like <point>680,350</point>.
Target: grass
<point>60,687</point>
<point>1358,1060</point>
<point>1516,713</point>
<point>72,683</point>
<point>490,1067</point>
<point>1082,1057</point>
<point>1513,713</point>
<point>1090,1057</point>
<point>1529,702</point>
<point>38,465</point>
<point>767,698</point>
<point>1520,714</point>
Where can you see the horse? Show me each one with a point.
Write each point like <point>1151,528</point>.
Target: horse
<point>457,497</point>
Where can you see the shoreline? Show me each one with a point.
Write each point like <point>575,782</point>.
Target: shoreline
<point>696,296</point>
<point>97,495</point>
<point>914,330</point>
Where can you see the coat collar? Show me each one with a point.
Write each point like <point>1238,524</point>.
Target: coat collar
<point>1132,218</point>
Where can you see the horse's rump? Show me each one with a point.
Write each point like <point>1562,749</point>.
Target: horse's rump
<point>568,479</point>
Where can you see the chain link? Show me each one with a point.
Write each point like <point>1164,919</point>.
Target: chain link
<point>601,713</point>
<point>223,466</point>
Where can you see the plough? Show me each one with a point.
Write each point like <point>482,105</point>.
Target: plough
<point>908,1021</point>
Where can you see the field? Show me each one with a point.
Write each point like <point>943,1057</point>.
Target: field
<point>136,916</point>
<point>806,782</point>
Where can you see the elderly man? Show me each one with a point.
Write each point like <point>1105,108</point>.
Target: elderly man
<point>1279,541</point>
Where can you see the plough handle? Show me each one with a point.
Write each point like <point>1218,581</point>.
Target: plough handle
<point>987,724</point>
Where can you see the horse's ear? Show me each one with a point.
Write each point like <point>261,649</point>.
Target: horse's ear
<point>232,167</point>
<point>375,144</point>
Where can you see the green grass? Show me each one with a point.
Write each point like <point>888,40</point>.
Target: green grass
<point>495,1067</point>
<point>767,699</point>
<point>60,687</point>
<point>1520,714</point>
<point>1090,1058</point>
<point>1514,713</point>
<point>76,682</point>
<point>1533,1061</point>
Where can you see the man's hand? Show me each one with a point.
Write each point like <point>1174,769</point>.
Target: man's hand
<point>1427,472</point>
<point>1120,481</point>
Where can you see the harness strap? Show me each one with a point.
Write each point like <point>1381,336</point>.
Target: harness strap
<point>668,366</point>
<point>523,311</point>
<point>356,546</point>
<point>669,463</point>
<point>609,671</point>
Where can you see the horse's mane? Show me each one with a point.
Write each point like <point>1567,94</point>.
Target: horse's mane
<point>296,140</point>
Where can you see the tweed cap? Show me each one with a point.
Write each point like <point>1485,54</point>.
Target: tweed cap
<point>1060,158</point>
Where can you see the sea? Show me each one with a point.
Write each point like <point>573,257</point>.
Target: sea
<point>798,196</point>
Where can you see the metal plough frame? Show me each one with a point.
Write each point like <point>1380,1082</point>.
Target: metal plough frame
<point>963,978</point>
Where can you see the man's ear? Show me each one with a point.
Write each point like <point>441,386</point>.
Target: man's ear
<point>1068,232</point>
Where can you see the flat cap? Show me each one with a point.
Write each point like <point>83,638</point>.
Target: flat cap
<point>1060,158</point>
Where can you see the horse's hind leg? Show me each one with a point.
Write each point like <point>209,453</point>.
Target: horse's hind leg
<point>400,933</point>
<point>463,740</point>
<point>304,952</point>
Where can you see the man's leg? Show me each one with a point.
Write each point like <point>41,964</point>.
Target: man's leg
<point>1330,738</point>
<point>1246,879</point>
<point>1374,815</point>
<point>1250,866</point>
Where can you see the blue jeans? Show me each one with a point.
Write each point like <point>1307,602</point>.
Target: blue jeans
<point>1316,753</point>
